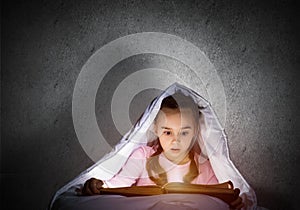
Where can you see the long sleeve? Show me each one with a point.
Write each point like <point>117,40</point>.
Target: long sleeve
<point>132,170</point>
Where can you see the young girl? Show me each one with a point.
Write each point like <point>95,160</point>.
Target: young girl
<point>177,139</point>
<point>172,157</point>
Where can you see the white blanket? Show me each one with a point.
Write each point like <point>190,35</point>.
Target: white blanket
<point>69,201</point>
<point>213,142</point>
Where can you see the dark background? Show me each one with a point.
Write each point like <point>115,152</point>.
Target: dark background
<point>44,44</point>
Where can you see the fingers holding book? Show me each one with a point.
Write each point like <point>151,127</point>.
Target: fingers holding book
<point>238,202</point>
<point>92,187</point>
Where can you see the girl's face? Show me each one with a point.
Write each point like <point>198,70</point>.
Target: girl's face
<point>175,130</point>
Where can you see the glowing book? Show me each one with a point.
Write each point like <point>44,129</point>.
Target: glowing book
<point>223,191</point>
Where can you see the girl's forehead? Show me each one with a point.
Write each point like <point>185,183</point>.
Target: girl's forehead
<point>175,117</point>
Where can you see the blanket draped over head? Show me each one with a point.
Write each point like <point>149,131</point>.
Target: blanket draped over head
<point>212,141</point>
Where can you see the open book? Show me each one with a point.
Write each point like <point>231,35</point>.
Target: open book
<point>223,191</point>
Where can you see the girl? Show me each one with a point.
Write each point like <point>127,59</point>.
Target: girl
<point>177,139</point>
<point>172,157</point>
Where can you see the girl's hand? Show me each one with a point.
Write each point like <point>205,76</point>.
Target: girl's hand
<point>92,187</point>
<point>237,204</point>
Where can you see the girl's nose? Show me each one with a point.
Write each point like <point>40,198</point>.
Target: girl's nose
<point>175,139</point>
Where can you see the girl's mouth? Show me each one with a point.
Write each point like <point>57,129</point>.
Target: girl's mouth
<point>175,150</point>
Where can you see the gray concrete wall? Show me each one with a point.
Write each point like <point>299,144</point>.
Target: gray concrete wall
<point>44,44</point>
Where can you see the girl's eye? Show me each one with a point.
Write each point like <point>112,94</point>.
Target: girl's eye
<point>184,133</point>
<point>167,133</point>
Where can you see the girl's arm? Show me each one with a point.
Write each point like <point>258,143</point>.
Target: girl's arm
<point>126,177</point>
<point>130,172</point>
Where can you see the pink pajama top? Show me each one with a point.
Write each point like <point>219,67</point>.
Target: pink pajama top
<point>134,171</point>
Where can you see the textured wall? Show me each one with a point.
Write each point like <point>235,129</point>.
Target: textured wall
<point>44,45</point>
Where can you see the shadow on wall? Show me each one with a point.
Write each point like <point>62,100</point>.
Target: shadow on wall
<point>280,201</point>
